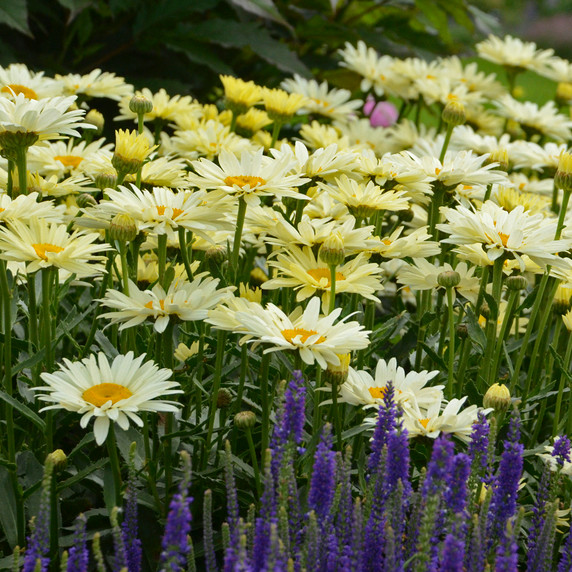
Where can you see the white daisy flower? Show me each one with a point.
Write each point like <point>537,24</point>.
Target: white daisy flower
<point>115,391</point>
<point>316,338</point>
<point>17,78</point>
<point>333,103</point>
<point>188,301</point>
<point>41,244</point>
<point>96,83</point>
<point>501,232</point>
<point>361,388</point>
<point>251,176</point>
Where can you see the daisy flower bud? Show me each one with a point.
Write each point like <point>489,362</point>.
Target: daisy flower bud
<point>59,460</point>
<point>245,419</point>
<point>96,119</point>
<point>85,200</point>
<point>564,93</point>
<point>223,398</point>
<point>123,228</point>
<point>216,254</point>
<point>462,331</point>
<point>140,104</point>
<point>497,397</point>
<point>516,282</point>
<point>106,180</point>
<point>337,374</point>
<point>131,150</point>
<point>562,298</point>
<point>499,156</point>
<point>563,177</point>
<point>281,105</point>
<point>332,251</point>
<point>448,279</point>
<point>454,113</point>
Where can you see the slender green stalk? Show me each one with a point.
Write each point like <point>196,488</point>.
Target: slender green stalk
<point>242,377</point>
<point>48,343</point>
<point>167,362</point>
<point>122,247</point>
<point>448,134</point>
<point>21,163</point>
<point>114,463</point>
<point>183,246</point>
<point>265,402</point>
<point>162,257</point>
<point>563,377</point>
<point>220,351</point>
<point>336,413</point>
<point>275,132</point>
<point>254,460</point>
<point>332,288</point>
<point>451,365</point>
<point>538,303</point>
<point>488,192</point>
<point>505,328</point>
<point>238,238</point>
<point>33,324</point>
<point>562,213</point>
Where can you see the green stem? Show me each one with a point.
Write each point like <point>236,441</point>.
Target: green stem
<point>562,214</point>
<point>122,247</point>
<point>237,238</point>
<point>220,351</point>
<point>184,252</point>
<point>332,288</point>
<point>21,156</point>
<point>538,301</point>
<point>451,312</point>
<point>336,413</point>
<point>33,325</point>
<point>114,463</point>
<point>264,402</point>
<point>255,466</point>
<point>488,193</point>
<point>162,257</point>
<point>10,181</point>
<point>448,134</point>
<point>505,327</point>
<point>563,377</point>
<point>242,378</point>
<point>275,132</point>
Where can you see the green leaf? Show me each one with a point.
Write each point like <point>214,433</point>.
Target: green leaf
<point>264,9</point>
<point>199,53</point>
<point>75,6</point>
<point>8,512</point>
<point>436,17</point>
<point>14,13</point>
<point>79,476</point>
<point>476,333</point>
<point>24,410</point>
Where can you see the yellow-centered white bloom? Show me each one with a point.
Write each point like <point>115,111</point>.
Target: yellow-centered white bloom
<point>109,392</point>
<point>298,268</point>
<point>501,232</point>
<point>17,78</point>
<point>188,301</point>
<point>96,83</point>
<point>316,338</point>
<point>361,388</point>
<point>47,118</point>
<point>251,176</point>
<point>26,207</point>
<point>333,103</point>
<point>41,244</point>
<point>165,107</point>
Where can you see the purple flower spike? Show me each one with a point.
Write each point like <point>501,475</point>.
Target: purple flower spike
<point>323,484</point>
<point>175,543</point>
<point>561,450</point>
<point>78,559</point>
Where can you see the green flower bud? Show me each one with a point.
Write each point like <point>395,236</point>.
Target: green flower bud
<point>106,180</point>
<point>245,419</point>
<point>123,228</point>
<point>454,113</point>
<point>516,282</point>
<point>140,104</point>
<point>223,398</point>
<point>448,279</point>
<point>59,460</point>
<point>85,200</point>
<point>332,250</point>
<point>497,397</point>
<point>96,119</point>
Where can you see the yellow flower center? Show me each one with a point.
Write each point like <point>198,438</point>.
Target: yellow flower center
<point>504,238</point>
<point>377,392</point>
<point>176,211</point>
<point>69,160</point>
<point>100,394</point>
<point>386,241</point>
<point>289,335</point>
<point>42,249</point>
<point>244,180</point>
<point>424,422</point>
<point>150,304</point>
<point>17,89</point>
<point>320,273</point>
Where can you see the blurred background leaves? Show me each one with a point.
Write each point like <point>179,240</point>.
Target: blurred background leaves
<point>182,45</point>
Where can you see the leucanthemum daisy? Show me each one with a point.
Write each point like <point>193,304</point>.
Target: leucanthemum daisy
<point>165,107</point>
<point>188,301</point>
<point>251,176</point>
<point>96,83</point>
<point>317,338</point>
<point>333,103</point>
<point>501,232</point>
<point>115,391</point>
<point>17,78</point>
<point>41,244</point>
<point>298,268</point>
<point>26,207</point>
<point>361,388</point>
